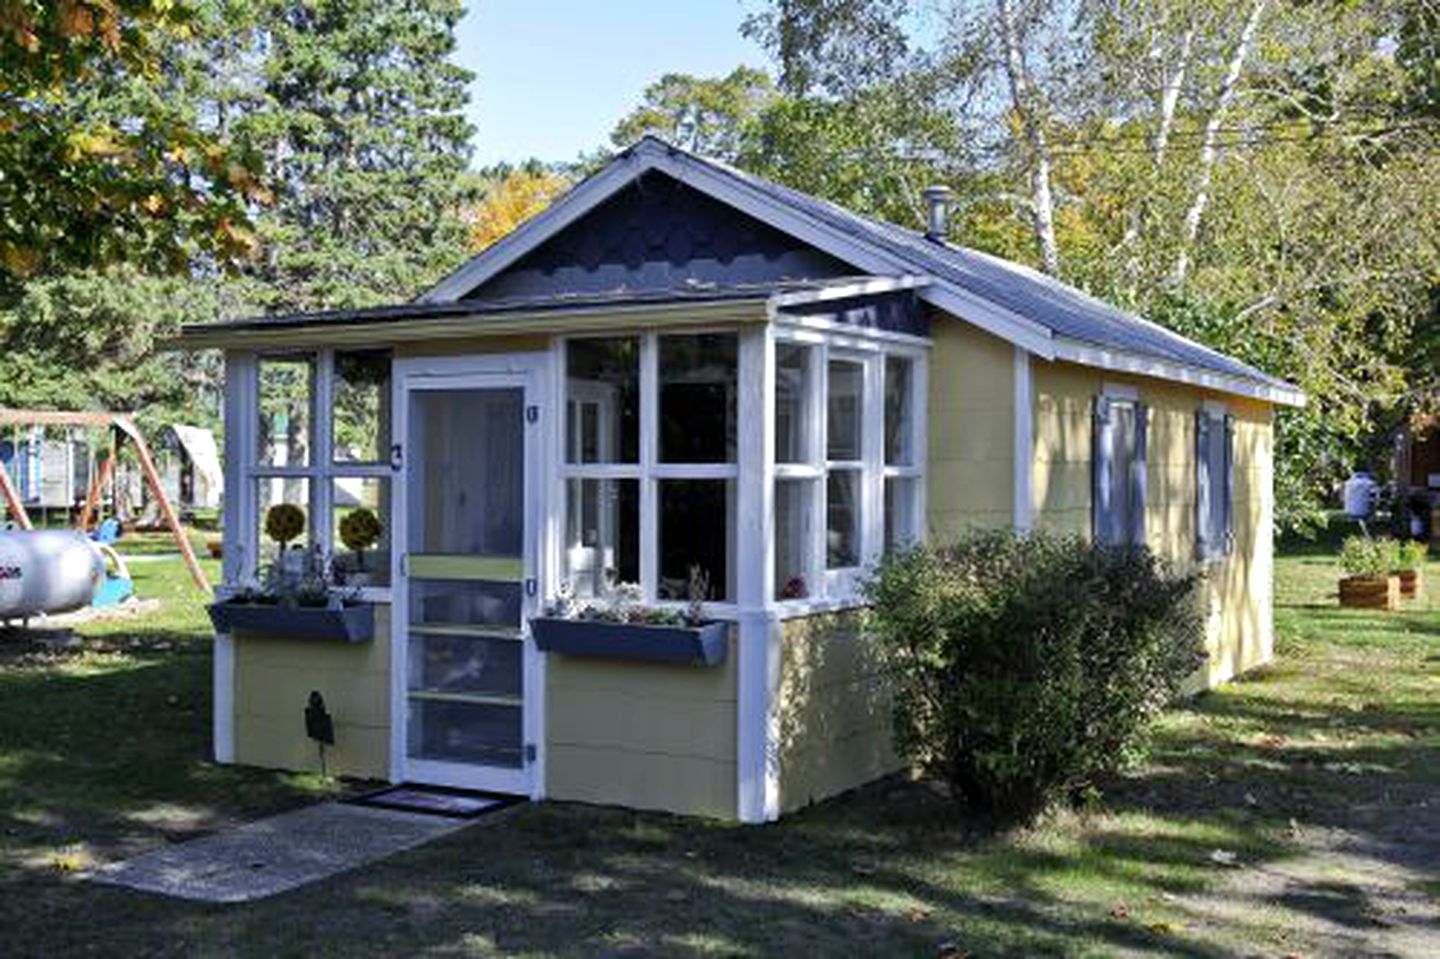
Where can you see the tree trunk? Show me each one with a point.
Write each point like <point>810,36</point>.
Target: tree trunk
<point>1022,94</point>
<point>1209,148</point>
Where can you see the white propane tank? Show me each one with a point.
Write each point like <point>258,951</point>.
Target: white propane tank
<point>47,571</point>
<point>1360,490</point>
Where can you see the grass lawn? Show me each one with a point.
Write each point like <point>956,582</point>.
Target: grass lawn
<point>1296,813</point>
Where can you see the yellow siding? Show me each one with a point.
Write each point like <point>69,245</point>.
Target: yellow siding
<point>642,735</point>
<point>273,680</point>
<point>971,426</point>
<point>1238,588</point>
<point>835,710</point>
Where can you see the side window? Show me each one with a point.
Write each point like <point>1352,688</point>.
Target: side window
<point>1215,484</point>
<point>1118,500</point>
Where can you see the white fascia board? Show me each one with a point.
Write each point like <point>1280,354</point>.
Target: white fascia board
<point>557,216</point>
<point>1012,327</point>
<point>1074,351</point>
<point>862,286</point>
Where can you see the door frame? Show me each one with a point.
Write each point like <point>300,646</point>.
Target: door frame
<point>530,371</point>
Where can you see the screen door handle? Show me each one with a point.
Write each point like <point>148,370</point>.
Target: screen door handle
<point>397,457</point>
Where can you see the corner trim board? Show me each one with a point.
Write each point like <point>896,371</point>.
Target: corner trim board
<point>1024,440</point>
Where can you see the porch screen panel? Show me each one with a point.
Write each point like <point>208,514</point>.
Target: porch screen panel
<point>465,565</point>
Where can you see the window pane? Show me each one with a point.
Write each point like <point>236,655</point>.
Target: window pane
<point>697,398</point>
<point>793,512</point>
<point>899,415</point>
<point>271,492</point>
<point>602,535</point>
<point>695,533</point>
<point>842,519</point>
<point>360,530</point>
<point>286,386</point>
<point>844,410</point>
<point>901,522</point>
<point>602,401</point>
<point>792,403</point>
<point>361,398</point>
<point>1215,457</point>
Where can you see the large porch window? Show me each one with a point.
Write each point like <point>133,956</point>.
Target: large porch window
<point>323,444</point>
<point>650,464</point>
<point>848,476</point>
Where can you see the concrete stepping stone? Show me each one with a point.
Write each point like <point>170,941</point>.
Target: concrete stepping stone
<point>278,854</point>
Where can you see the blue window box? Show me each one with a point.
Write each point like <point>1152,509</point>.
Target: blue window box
<point>350,623</point>
<point>704,645</point>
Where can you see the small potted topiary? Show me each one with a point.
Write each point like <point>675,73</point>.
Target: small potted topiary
<point>360,530</point>
<point>1367,582</point>
<point>1410,558</point>
<point>284,523</point>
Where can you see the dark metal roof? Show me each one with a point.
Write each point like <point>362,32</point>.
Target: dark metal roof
<point>1063,309</point>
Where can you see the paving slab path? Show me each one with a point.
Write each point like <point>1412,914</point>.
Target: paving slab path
<point>275,855</point>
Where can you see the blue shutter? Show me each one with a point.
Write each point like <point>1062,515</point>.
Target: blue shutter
<point>1102,467</point>
<point>1228,492</point>
<point>1204,545</point>
<point>1135,524</point>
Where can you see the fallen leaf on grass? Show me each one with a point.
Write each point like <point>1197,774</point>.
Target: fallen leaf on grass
<point>1163,928</point>
<point>1223,857</point>
<point>1120,911</point>
<point>918,915</point>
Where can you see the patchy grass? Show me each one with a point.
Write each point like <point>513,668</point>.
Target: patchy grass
<point>1290,813</point>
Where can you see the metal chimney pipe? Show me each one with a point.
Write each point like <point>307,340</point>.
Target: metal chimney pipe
<point>937,212</point>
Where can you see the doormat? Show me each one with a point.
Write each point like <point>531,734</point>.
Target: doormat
<point>435,801</point>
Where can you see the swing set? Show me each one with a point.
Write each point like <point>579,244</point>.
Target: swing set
<point>121,428</point>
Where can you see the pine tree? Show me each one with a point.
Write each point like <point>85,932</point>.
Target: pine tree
<point>359,114</point>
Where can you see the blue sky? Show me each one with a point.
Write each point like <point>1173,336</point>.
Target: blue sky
<point>554,76</point>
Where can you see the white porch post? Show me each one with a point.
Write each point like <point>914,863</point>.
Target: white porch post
<point>1024,440</point>
<point>238,518</point>
<point>758,643</point>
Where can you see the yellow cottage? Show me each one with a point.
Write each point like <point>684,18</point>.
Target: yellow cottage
<point>681,368</point>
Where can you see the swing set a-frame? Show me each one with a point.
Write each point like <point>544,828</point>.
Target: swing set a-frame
<point>121,428</point>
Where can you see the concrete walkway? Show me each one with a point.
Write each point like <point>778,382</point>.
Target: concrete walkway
<point>278,854</point>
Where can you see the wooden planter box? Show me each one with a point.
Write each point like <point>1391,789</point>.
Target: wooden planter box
<point>1412,583</point>
<point>694,645</point>
<point>1370,592</point>
<point>351,623</point>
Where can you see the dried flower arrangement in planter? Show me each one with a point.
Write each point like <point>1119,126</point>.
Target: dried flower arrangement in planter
<point>624,627</point>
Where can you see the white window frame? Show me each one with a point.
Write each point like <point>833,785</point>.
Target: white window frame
<point>650,471</point>
<point>839,588</point>
<point>321,472</point>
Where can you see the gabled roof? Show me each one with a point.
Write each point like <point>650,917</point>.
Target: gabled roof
<point>1032,310</point>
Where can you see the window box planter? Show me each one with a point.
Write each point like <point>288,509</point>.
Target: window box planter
<point>349,623</point>
<point>1370,592</point>
<point>694,645</point>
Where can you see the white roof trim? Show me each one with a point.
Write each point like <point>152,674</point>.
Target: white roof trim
<point>1086,354</point>
<point>863,286</point>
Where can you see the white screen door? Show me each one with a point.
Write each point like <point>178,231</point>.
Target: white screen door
<point>467,580</point>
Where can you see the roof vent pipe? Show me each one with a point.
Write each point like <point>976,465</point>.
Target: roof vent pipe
<point>937,212</point>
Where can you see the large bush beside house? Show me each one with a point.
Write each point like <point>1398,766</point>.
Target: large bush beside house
<point>1025,666</point>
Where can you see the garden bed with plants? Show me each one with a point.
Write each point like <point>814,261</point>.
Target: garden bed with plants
<point>1376,572</point>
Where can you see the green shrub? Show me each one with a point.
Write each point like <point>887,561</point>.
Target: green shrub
<point>1027,666</point>
<point>1364,556</point>
<point>1410,554</point>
